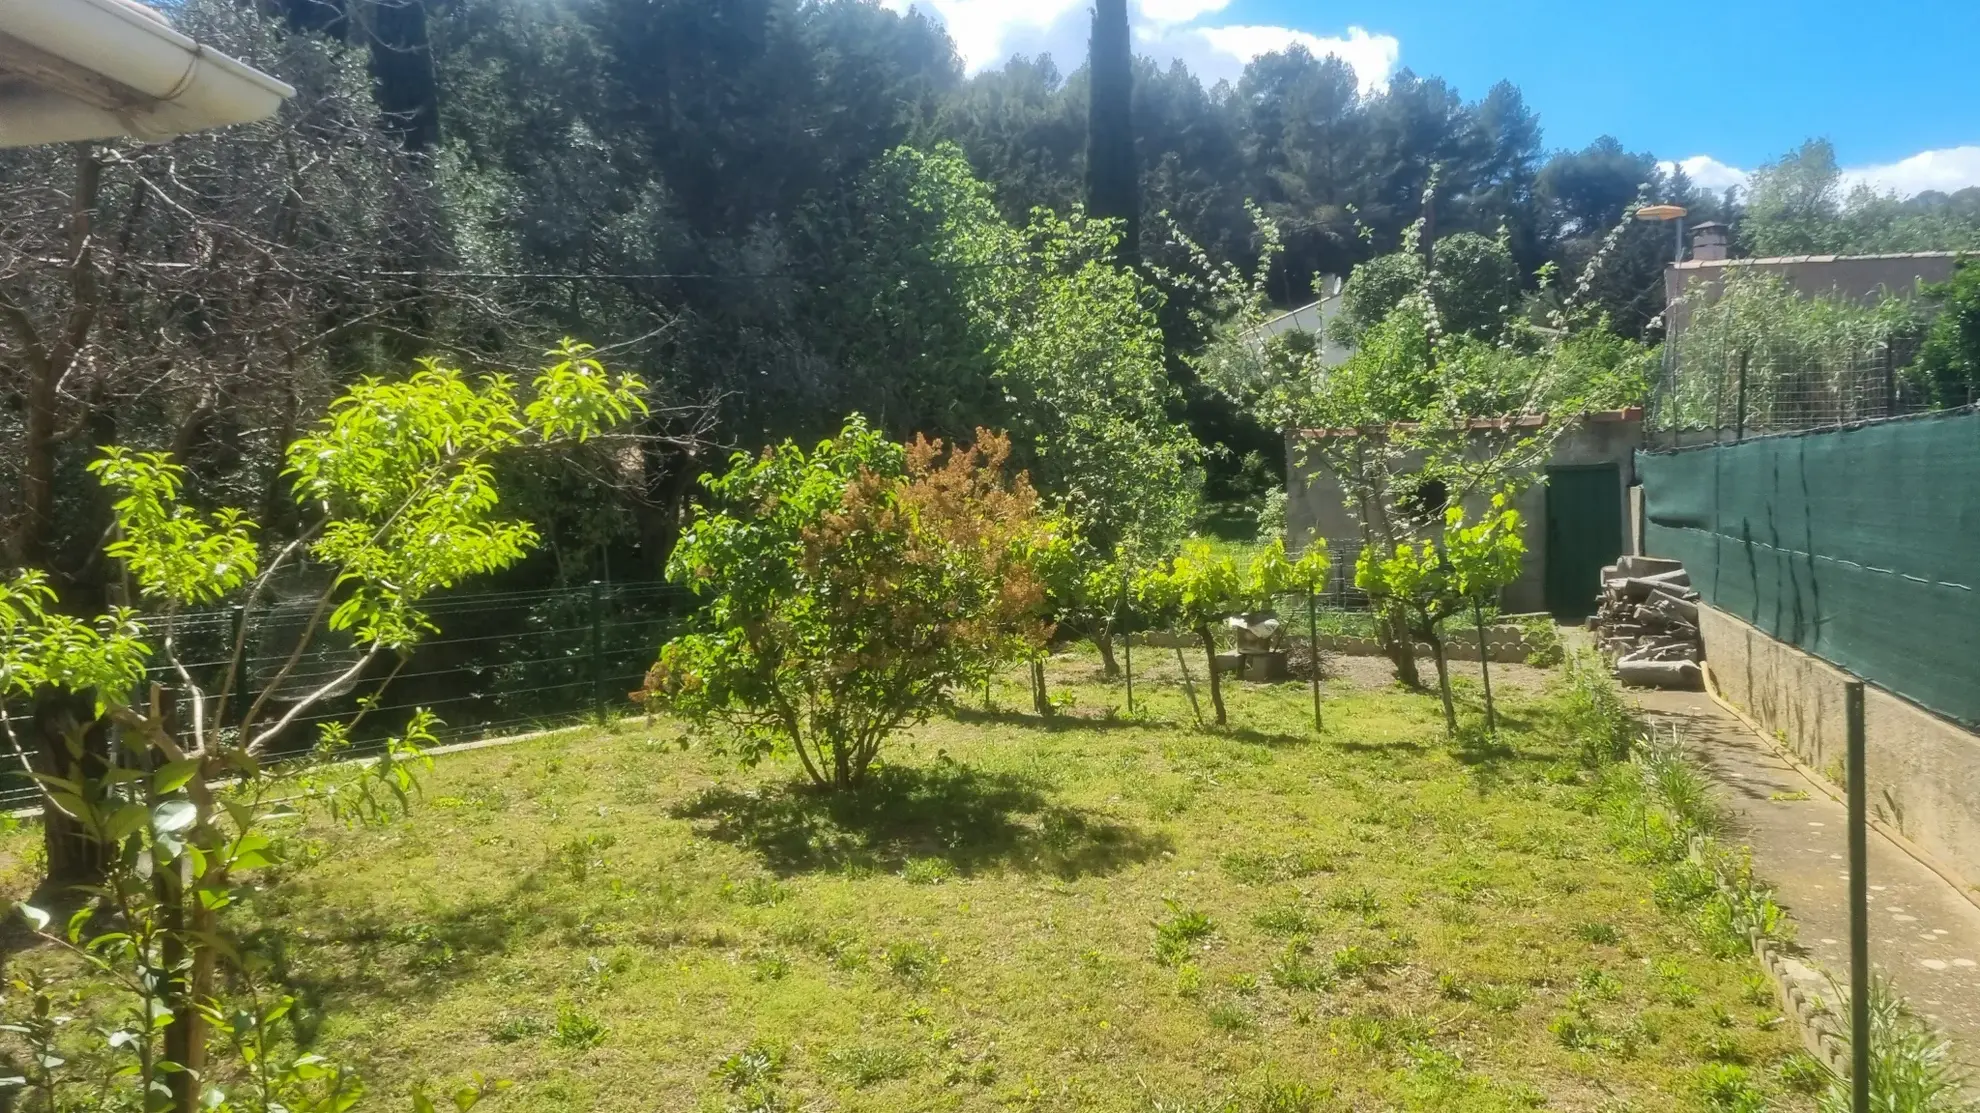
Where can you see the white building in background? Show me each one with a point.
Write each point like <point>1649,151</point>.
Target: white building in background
<point>109,69</point>
<point>1314,317</point>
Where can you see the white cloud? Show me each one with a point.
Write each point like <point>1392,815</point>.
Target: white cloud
<point>1372,57</point>
<point>1707,172</point>
<point>1947,169</point>
<point>1178,11</point>
<point>988,32</point>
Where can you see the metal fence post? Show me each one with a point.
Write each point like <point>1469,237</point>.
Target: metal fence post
<point>1739,433</point>
<point>1859,904</point>
<point>1313,652</point>
<point>597,650</point>
<point>1890,380</point>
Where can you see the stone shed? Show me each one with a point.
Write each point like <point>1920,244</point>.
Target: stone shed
<point>1576,520</point>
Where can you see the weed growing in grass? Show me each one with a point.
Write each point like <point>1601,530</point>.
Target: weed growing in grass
<point>1286,919</point>
<point>1500,998</point>
<point>1803,1073</point>
<point>1451,987</point>
<point>914,962</point>
<point>758,892</point>
<point>871,1065</point>
<point>579,856</point>
<point>1360,900</point>
<point>1757,989</point>
<point>512,1029</point>
<point>1176,936</point>
<point>1673,985</point>
<point>1354,961</point>
<point>1292,969</point>
<point>1229,1016</point>
<point>1912,1069</point>
<point>1600,934</point>
<point>1278,1095</point>
<point>1593,713</point>
<point>1258,868</point>
<point>927,871</point>
<point>1728,1088</point>
<point>577,1030</point>
<point>1599,983</point>
<point>753,1068</point>
<point>770,966</point>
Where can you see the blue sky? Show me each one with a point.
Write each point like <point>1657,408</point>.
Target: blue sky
<point>1722,86</point>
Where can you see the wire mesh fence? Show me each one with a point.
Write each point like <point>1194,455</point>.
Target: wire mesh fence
<point>504,662</point>
<point>1739,392</point>
<point>1763,358</point>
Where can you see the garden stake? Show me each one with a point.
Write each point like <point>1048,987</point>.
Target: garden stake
<point>1189,687</point>
<point>1859,903</point>
<point>1313,652</point>
<point>1485,665</point>
<point>1127,660</point>
<point>1127,645</point>
<point>597,654</point>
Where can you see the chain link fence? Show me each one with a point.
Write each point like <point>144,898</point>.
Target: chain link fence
<point>504,662</point>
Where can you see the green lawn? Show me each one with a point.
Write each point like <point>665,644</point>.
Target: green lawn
<point>1089,913</point>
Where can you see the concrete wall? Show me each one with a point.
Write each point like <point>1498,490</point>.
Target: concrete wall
<point>1315,506</point>
<point>1924,772</point>
<point>1857,278</point>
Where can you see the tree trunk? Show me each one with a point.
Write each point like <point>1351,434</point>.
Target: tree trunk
<point>668,475</point>
<point>187,923</point>
<point>1113,186</point>
<point>1104,642</point>
<point>1039,702</point>
<point>1443,680</point>
<point>75,745</point>
<point>1400,646</point>
<point>1216,680</point>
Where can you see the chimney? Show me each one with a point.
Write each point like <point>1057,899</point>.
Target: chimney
<point>1708,242</point>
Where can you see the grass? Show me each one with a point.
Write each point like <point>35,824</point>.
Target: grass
<point>1092,912</point>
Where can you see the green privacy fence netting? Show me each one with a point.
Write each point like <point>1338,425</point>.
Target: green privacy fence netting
<point>1860,546</point>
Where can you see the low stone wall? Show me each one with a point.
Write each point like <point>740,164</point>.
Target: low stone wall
<point>1924,771</point>
<point>1503,645</point>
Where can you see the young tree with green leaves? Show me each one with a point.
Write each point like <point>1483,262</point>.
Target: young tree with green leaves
<point>845,591</point>
<point>1416,408</point>
<point>397,492</point>
<point>1433,579</point>
<point>1273,575</point>
<point>1197,590</point>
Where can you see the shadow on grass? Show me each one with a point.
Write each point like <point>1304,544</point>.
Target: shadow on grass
<point>965,817</point>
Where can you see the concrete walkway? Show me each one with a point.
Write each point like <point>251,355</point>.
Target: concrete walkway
<point>1924,935</point>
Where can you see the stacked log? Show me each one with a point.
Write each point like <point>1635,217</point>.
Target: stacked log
<point>1648,623</point>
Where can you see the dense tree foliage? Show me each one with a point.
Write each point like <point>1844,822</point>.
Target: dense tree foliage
<point>1799,205</point>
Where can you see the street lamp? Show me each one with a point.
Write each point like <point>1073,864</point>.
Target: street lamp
<point>1667,212</point>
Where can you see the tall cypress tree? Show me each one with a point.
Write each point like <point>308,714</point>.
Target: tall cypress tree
<point>1113,187</point>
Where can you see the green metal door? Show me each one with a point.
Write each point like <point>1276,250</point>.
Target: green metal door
<point>1584,533</point>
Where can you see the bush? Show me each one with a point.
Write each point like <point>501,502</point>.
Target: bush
<point>845,591</point>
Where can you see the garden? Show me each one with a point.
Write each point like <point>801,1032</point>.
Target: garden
<point>1092,910</point>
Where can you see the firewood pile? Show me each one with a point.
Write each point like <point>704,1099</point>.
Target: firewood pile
<point>1648,623</point>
